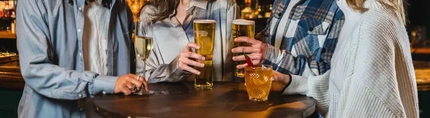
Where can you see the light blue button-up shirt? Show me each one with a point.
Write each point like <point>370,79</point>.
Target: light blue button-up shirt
<point>49,38</point>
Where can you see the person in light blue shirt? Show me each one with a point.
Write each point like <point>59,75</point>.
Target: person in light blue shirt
<point>70,50</point>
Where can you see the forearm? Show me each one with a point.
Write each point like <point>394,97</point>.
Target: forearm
<point>165,72</point>
<point>60,83</point>
<point>313,86</point>
<point>281,61</point>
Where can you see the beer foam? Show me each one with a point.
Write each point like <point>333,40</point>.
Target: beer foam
<point>243,22</point>
<point>204,21</point>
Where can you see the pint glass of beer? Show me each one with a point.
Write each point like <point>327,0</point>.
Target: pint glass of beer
<point>258,81</point>
<point>204,33</point>
<point>242,27</point>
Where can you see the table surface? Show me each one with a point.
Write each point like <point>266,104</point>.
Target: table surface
<point>182,100</point>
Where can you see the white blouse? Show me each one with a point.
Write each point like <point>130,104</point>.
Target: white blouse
<point>94,37</point>
<point>170,38</point>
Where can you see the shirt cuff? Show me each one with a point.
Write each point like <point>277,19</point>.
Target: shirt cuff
<point>298,85</point>
<point>177,73</point>
<point>288,84</point>
<point>105,84</point>
<point>272,55</point>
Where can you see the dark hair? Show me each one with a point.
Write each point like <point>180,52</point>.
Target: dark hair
<point>105,3</point>
<point>165,8</point>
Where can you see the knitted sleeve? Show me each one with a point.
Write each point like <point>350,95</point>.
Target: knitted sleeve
<point>372,90</point>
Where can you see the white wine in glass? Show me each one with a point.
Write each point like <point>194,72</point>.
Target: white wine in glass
<point>143,45</point>
<point>143,42</point>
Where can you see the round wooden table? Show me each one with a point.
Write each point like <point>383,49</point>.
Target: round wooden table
<point>225,100</point>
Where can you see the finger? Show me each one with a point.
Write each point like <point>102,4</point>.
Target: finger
<point>133,79</point>
<point>193,55</point>
<point>191,70</point>
<point>247,40</point>
<point>191,62</point>
<point>130,86</point>
<point>241,66</point>
<point>255,56</point>
<point>126,91</point>
<point>246,49</point>
<point>193,45</point>
<point>145,83</point>
<point>239,58</point>
<point>256,62</point>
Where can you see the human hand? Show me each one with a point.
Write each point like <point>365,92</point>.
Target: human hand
<point>187,59</point>
<point>279,81</point>
<point>126,83</point>
<point>256,51</point>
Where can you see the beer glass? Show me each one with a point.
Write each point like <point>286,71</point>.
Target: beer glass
<point>204,33</point>
<point>258,81</point>
<point>242,27</point>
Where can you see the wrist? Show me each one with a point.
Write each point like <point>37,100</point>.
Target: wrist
<point>287,81</point>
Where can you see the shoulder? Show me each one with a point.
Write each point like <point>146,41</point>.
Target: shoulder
<point>380,21</point>
<point>223,3</point>
<point>148,11</point>
<point>380,30</point>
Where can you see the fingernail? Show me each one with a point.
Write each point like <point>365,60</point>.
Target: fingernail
<point>198,73</point>
<point>198,47</point>
<point>202,65</point>
<point>203,58</point>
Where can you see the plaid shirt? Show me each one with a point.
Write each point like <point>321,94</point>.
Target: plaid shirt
<point>311,35</point>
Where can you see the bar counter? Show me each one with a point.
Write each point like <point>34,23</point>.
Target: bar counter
<point>7,35</point>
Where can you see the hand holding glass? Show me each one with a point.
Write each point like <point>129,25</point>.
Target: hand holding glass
<point>143,42</point>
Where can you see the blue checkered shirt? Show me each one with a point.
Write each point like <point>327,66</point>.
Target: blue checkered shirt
<point>310,38</point>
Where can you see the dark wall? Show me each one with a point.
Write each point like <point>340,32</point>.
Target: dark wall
<point>8,45</point>
<point>418,13</point>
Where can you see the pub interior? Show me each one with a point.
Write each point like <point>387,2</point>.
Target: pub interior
<point>259,11</point>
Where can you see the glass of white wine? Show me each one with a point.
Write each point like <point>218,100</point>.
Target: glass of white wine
<point>143,41</point>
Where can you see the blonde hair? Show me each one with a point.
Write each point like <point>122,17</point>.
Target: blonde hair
<point>396,5</point>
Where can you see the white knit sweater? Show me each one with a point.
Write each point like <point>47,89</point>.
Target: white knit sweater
<point>372,75</point>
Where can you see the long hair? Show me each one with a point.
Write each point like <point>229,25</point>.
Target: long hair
<point>396,5</point>
<point>165,8</point>
<point>105,3</point>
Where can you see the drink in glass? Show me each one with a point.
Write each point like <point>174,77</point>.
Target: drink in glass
<point>143,46</point>
<point>258,81</point>
<point>242,27</point>
<point>204,33</point>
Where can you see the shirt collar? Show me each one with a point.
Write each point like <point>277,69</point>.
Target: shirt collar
<point>190,8</point>
<point>203,4</point>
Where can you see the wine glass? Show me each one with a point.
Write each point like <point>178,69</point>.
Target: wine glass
<point>143,41</point>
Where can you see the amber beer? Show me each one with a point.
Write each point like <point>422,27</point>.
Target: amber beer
<point>258,82</point>
<point>242,27</point>
<point>204,33</point>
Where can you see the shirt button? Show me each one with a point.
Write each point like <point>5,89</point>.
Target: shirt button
<point>79,30</point>
<point>80,95</point>
<point>80,8</point>
<point>80,54</point>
